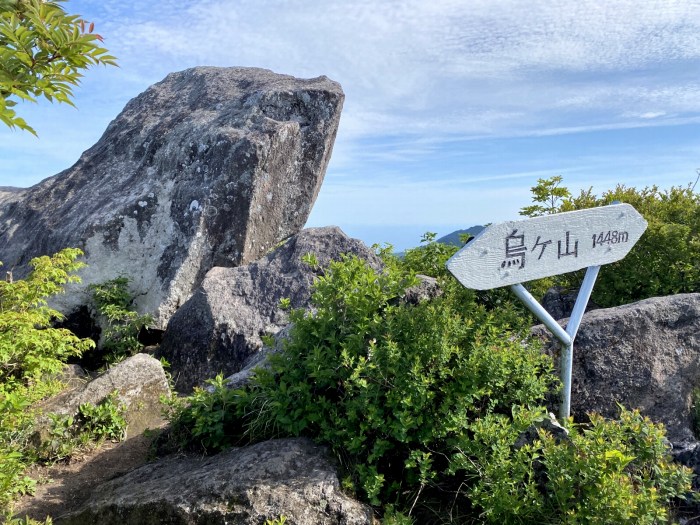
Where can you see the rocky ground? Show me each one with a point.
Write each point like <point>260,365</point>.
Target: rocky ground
<point>65,486</point>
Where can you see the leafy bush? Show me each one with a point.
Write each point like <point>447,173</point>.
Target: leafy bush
<point>114,301</point>
<point>10,520</point>
<point>13,482</point>
<point>208,419</point>
<point>32,352</point>
<point>92,425</point>
<point>386,385</point>
<point>665,261</point>
<point>104,420</point>
<point>30,347</point>
<point>607,472</point>
<point>430,259</point>
<point>423,405</point>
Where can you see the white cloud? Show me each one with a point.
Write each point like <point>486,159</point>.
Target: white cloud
<point>479,67</point>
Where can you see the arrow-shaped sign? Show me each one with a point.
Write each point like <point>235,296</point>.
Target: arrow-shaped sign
<point>519,251</point>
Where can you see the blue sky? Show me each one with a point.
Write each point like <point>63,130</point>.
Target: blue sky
<point>454,108</point>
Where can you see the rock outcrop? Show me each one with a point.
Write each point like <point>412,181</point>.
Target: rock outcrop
<point>644,355</point>
<point>139,382</point>
<point>246,486</point>
<point>220,326</point>
<point>260,359</point>
<point>209,167</point>
<point>560,302</point>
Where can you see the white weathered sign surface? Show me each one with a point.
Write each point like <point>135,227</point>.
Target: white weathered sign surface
<point>519,251</point>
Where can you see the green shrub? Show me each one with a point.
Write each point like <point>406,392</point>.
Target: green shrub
<point>430,259</point>
<point>386,385</point>
<point>32,352</point>
<point>92,425</point>
<point>26,520</point>
<point>13,482</point>
<point>30,348</point>
<point>208,419</point>
<point>608,472</point>
<point>423,406</point>
<point>104,420</point>
<point>114,301</point>
<point>665,261</point>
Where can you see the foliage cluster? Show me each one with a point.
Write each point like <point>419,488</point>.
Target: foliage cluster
<point>605,472</point>
<point>405,383</point>
<point>424,406</point>
<point>30,347</point>
<point>430,258</point>
<point>43,51</point>
<point>665,261</point>
<point>277,521</point>
<point>113,300</point>
<point>32,352</point>
<point>93,425</point>
<point>208,419</point>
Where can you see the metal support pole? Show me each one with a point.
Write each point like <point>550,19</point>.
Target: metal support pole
<point>567,355</point>
<point>565,337</point>
<point>542,314</point>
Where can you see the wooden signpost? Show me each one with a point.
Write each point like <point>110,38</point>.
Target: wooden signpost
<point>510,253</point>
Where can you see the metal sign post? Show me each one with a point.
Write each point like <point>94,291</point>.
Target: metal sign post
<point>510,253</point>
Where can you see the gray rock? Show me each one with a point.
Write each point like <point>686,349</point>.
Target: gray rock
<point>260,359</point>
<point>426,290</point>
<point>220,326</point>
<point>559,302</point>
<point>139,382</point>
<point>244,486</point>
<point>644,355</point>
<point>210,167</point>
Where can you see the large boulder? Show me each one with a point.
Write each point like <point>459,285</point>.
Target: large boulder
<point>644,355</point>
<point>246,486</point>
<point>209,167</point>
<point>220,327</point>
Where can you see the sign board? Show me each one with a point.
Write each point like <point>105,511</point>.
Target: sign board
<point>519,251</point>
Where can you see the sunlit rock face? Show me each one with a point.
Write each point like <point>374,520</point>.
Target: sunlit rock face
<point>209,167</point>
<point>644,355</point>
<point>251,485</point>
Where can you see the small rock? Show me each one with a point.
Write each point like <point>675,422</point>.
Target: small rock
<point>426,289</point>
<point>139,382</point>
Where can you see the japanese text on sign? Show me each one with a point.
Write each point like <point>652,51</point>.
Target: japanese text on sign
<point>517,248</point>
